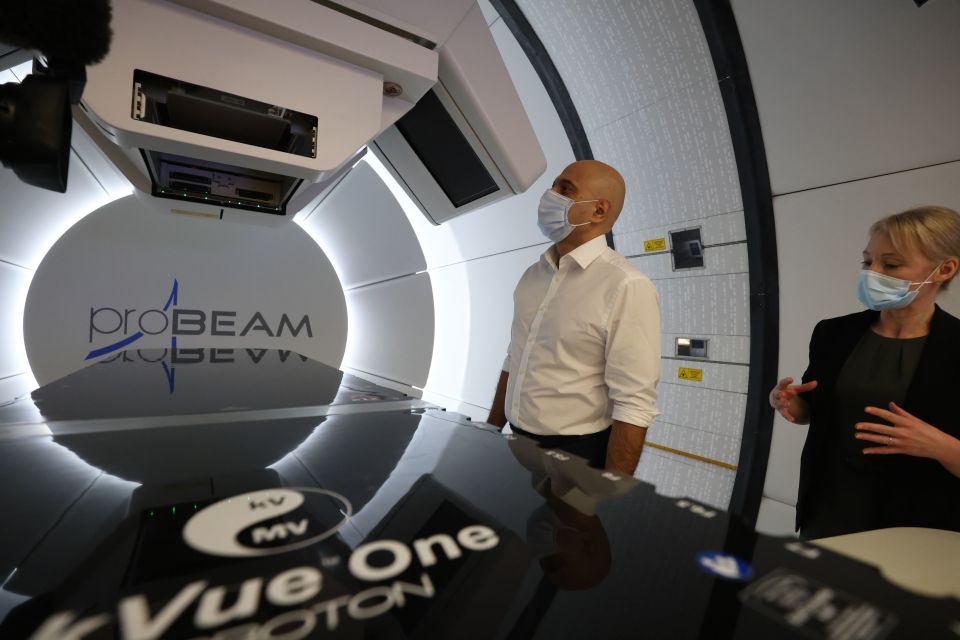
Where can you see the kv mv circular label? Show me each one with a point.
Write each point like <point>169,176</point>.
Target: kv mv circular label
<point>267,522</point>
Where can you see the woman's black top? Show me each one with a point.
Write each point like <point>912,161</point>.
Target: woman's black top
<point>878,371</point>
<point>841,489</point>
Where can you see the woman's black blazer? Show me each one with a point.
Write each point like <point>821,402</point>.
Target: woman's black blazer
<point>923,493</point>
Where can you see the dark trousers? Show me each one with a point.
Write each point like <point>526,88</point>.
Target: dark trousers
<point>593,446</point>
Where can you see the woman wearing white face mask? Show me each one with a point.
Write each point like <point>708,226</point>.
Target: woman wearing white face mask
<point>883,449</point>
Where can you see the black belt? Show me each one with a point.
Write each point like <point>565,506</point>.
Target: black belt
<point>557,437</point>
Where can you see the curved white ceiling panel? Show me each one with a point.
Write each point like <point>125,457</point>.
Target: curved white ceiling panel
<point>391,329</point>
<point>364,230</point>
<point>34,218</point>
<point>14,282</point>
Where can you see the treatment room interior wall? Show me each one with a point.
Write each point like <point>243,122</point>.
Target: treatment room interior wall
<point>32,220</point>
<point>857,101</point>
<point>642,79</point>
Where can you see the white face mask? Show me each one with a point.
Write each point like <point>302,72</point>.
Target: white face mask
<point>880,292</point>
<point>552,215</point>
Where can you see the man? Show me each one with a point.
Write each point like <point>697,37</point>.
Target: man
<point>584,357</point>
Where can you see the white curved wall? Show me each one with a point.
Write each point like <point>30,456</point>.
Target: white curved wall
<point>857,101</point>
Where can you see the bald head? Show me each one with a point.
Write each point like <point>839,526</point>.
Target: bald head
<point>594,179</point>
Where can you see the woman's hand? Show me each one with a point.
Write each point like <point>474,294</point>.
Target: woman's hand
<point>909,435</point>
<point>784,399</point>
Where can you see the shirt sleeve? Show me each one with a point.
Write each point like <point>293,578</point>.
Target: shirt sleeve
<point>506,361</point>
<point>633,352</point>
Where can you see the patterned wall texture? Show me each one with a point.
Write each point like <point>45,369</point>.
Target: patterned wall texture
<point>643,82</point>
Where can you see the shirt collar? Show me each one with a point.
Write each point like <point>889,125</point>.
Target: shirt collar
<point>583,255</point>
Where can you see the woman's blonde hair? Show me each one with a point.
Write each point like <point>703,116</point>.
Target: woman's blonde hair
<point>935,231</point>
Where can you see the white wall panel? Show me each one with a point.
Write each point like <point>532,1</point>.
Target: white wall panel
<point>716,229</point>
<point>15,386</point>
<point>852,89</point>
<point>676,157</point>
<point>783,466</point>
<point>705,306</point>
<point>776,518</point>
<point>472,373</point>
<point>106,173</point>
<point>34,218</point>
<point>364,230</point>
<point>725,259</point>
<point>719,412</point>
<point>489,13</point>
<point>391,329</point>
<point>14,282</point>
<point>696,441</point>
<point>721,377</point>
<point>680,477</point>
<point>619,56</point>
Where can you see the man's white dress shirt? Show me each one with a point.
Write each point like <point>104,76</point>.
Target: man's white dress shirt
<point>584,345</point>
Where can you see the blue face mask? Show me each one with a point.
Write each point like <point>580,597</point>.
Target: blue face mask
<point>879,292</point>
<point>552,215</point>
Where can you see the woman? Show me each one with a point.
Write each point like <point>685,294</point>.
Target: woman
<point>881,392</point>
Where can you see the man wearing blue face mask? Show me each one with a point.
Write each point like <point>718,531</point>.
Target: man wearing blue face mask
<point>584,356</point>
<point>883,448</point>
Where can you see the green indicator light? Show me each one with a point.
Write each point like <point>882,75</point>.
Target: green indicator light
<point>194,507</point>
<point>151,514</point>
<point>173,510</point>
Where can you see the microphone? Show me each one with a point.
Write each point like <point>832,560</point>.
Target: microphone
<point>76,31</point>
<point>35,118</point>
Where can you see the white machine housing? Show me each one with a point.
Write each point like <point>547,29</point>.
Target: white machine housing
<point>351,68</point>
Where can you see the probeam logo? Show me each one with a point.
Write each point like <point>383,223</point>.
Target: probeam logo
<point>132,324</point>
<point>290,603</point>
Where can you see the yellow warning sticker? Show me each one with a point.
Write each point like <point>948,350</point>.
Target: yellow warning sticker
<point>657,244</point>
<point>695,375</point>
